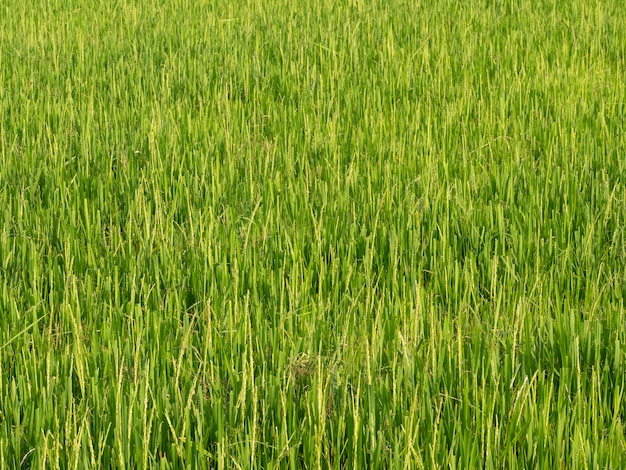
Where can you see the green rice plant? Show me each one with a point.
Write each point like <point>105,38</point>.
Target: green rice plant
<point>312,234</point>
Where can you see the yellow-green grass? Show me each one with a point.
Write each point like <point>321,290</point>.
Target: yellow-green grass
<point>314,234</point>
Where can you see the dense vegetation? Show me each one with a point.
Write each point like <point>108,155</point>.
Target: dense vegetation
<point>277,234</point>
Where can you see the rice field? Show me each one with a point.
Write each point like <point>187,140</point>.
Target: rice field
<point>317,234</point>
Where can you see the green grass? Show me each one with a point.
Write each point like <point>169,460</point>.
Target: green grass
<point>317,234</point>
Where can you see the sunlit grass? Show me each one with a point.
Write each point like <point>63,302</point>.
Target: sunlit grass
<point>312,234</point>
